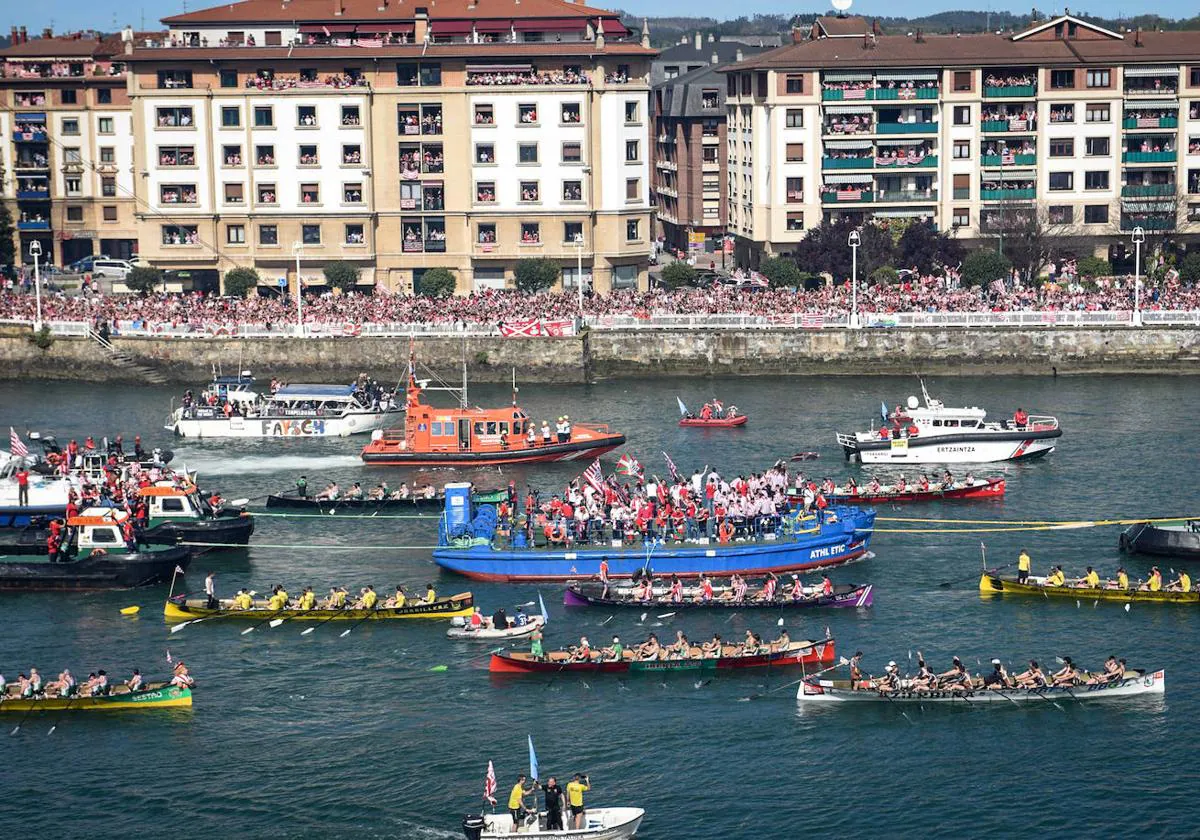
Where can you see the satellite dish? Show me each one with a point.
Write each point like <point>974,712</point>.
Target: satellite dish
<point>842,5</point>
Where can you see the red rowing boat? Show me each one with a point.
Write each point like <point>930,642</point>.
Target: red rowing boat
<point>991,488</point>
<point>797,653</point>
<point>715,422</point>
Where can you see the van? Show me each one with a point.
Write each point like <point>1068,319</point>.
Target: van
<point>116,269</point>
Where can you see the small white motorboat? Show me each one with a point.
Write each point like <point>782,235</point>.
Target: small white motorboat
<point>460,628</point>
<point>599,824</point>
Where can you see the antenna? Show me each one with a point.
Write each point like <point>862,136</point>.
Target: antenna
<point>841,5</point>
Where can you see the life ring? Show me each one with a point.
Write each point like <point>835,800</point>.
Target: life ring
<point>352,329</point>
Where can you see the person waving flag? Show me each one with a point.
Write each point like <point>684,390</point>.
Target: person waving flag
<point>533,762</point>
<point>489,784</point>
<point>15,445</point>
<point>594,476</point>
<point>671,467</point>
<point>628,465</point>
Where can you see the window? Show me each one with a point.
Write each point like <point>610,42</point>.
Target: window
<point>73,186</point>
<point>793,83</point>
<point>962,150</point>
<point>431,75</point>
<point>264,155</point>
<point>1095,214</point>
<point>170,79</point>
<point>228,78</point>
<point>1194,77</point>
<point>485,115</point>
<point>530,191</point>
<point>268,235</point>
<point>962,114</point>
<point>310,234</point>
<point>527,153</point>
<point>177,193</point>
<point>633,189</point>
<point>231,116</point>
<point>74,213</point>
<point>572,191</point>
<point>1096,179</point>
<point>306,155</point>
<point>708,154</point>
<point>527,114</point>
<point>531,233</point>
<point>231,155</point>
<point>486,233</point>
<point>235,234</point>
<point>108,154</point>
<point>70,127</point>
<point>1062,147</point>
<point>632,151</point>
<point>264,116</point>
<point>431,119</point>
<point>1099,78</point>
<point>175,118</point>
<point>104,125</point>
<point>795,221</point>
<point>110,212</point>
<point>794,118</point>
<point>572,230</point>
<point>795,190</point>
<point>310,193</point>
<point>234,194</point>
<point>72,155</point>
<point>794,153</point>
<point>1062,79</point>
<point>306,116</point>
<point>572,153</point>
<point>266,194</point>
<point>407,74</point>
<point>273,38</point>
<point>633,230</point>
<point>631,112</point>
<point>1096,112</point>
<point>69,97</point>
<point>1062,181</point>
<point>350,115</point>
<point>352,154</point>
<point>104,96</point>
<point>355,235</point>
<point>180,235</point>
<point>963,80</point>
<point>485,192</point>
<point>486,153</point>
<point>352,193</point>
<point>961,217</point>
<point>1061,214</point>
<point>1098,147</point>
<point>108,188</point>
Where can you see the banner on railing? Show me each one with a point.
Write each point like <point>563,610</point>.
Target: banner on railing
<point>537,328</point>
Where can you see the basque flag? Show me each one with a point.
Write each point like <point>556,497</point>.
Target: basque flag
<point>533,762</point>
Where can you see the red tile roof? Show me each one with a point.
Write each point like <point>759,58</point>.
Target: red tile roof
<point>277,11</point>
<point>479,52</point>
<point>63,47</point>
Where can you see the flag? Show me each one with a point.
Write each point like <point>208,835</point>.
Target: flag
<point>812,320</point>
<point>15,445</point>
<point>325,29</point>
<point>854,93</point>
<point>594,476</point>
<point>849,195</point>
<point>682,407</point>
<point>628,465</point>
<point>883,410</point>
<point>545,612</point>
<point>168,656</point>
<point>671,467</point>
<point>533,762</point>
<point>489,784</point>
<point>179,570</point>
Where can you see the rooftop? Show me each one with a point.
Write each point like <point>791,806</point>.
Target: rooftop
<point>380,11</point>
<point>481,52</point>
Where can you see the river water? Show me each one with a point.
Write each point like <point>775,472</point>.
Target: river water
<point>324,736</point>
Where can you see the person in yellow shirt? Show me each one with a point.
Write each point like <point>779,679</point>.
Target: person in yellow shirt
<point>397,600</point>
<point>284,593</point>
<point>1091,579</point>
<point>430,593</point>
<point>307,599</point>
<point>575,789</point>
<point>277,601</point>
<point>1056,577</point>
<point>339,598</point>
<point>1023,564</point>
<point>243,601</point>
<point>516,801</point>
<point>368,599</point>
<point>1155,582</point>
<point>1122,578</point>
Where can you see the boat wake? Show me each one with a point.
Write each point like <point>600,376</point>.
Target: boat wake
<point>232,464</point>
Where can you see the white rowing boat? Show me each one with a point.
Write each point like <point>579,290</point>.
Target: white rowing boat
<point>838,691</point>
<point>599,824</point>
<point>460,628</point>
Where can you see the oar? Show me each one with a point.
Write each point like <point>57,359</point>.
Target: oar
<point>17,728</point>
<point>54,725</point>
<point>950,583</point>
<point>253,627</point>
<point>841,662</point>
<point>346,632</point>
<point>308,630</point>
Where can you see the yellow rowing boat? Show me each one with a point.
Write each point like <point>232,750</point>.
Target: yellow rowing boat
<point>462,604</point>
<point>990,584</point>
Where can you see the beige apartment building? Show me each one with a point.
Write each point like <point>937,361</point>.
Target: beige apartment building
<point>1097,131</point>
<point>275,134</point>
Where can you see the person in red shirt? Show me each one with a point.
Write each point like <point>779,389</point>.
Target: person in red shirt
<point>22,476</point>
<point>1020,418</point>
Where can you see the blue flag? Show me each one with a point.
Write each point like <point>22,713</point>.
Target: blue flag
<point>883,410</point>
<point>545,614</point>
<point>533,762</point>
<point>682,407</point>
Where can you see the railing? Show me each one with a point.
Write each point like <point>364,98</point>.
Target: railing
<point>992,126</point>
<point>30,136</point>
<point>906,195</point>
<point>1150,122</point>
<point>1149,157</point>
<point>1132,190</point>
<point>846,195</point>
<point>906,128</point>
<point>1165,222</point>
<point>889,94</point>
<point>927,162</point>
<point>848,163</point>
<point>1008,195</point>
<point>1009,91</point>
<point>1016,160</point>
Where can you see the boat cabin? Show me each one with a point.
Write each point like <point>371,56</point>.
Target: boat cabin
<point>313,400</point>
<point>99,528</point>
<point>171,502</point>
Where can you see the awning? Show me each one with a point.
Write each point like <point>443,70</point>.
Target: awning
<point>848,145</point>
<point>846,77</point>
<point>431,183</point>
<point>1151,103</point>
<point>384,29</point>
<point>451,27</point>
<point>499,68</point>
<point>849,179</point>
<point>322,28</point>
<point>903,142</point>
<point>903,214</point>
<point>1152,70</point>
<point>31,117</point>
<point>552,25</point>
<point>1015,172</point>
<point>909,76</point>
<point>1143,206</point>
<point>847,109</point>
<point>493,25</point>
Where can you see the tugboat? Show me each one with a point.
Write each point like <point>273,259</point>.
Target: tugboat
<point>1181,539</point>
<point>934,434</point>
<point>472,436</point>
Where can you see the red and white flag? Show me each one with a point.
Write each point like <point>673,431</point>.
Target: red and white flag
<point>168,656</point>
<point>594,476</point>
<point>15,445</point>
<point>489,784</point>
<point>854,93</point>
<point>812,320</point>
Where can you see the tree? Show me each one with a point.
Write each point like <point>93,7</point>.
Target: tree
<point>1090,267</point>
<point>240,282</point>
<point>1031,237</point>
<point>782,272</point>
<point>143,279</point>
<point>883,275</point>
<point>1189,269</point>
<point>981,267</point>
<point>923,246</point>
<point>678,274</point>
<point>437,282</point>
<point>342,275</point>
<point>826,248</point>
<point>8,246</point>
<point>536,274</point>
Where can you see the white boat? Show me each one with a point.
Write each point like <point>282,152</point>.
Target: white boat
<point>838,691</point>
<point>934,434</point>
<point>47,494</point>
<point>292,411</point>
<point>460,628</point>
<point>600,824</point>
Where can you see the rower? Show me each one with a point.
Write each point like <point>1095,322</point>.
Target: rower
<point>243,601</point>
<point>768,591</point>
<point>713,648</point>
<point>1056,577</point>
<point>783,643</point>
<point>100,687</point>
<point>582,653</point>
<point>278,600</point>
<point>797,591</point>
<point>1023,566</point>
<point>955,665</point>
<point>1154,584</point>
<point>998,678</point>
<point>1111,671</point>
<point>308,599</point>
<point>430,593</point>
<point>1091,580</point>
<point>340,596</point>
<point>681,648</point>
<point>64,686</point>
<point>826,586</point>
<point>959,677</point>
<point>650,649</point>
<point>947,480</point>
<point>675,593</point>
<point>284,593</point>
<point>135,682</point>
<point>1067,675</point>
<point>399,598</point>
<point>181,677</point>
<point>1183,583</point>
<point>706,589</point>
<point>1032,677</point>
<point>890,681</point>
<point>367,599</point>
<point>614,652</point>
<point>1122,581</point>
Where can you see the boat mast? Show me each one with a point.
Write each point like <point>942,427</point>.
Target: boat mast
<point>514,387</point>
<point>464,372</point>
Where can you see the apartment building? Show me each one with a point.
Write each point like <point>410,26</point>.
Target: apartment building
<point>66,146</point>
<point>1096,131</point>
<point>285,134</point>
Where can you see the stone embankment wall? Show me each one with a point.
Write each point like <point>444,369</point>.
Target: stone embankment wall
<point>629,353</point>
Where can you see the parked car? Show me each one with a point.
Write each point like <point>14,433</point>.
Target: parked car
<point>84,265</point>
<point>116,269</point>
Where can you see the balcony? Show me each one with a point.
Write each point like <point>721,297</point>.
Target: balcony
<point>1009,91</point>
<point>30,136</point>
<point>33,195</point>
<point>904,94</point>
<point>1149,157</point>
<point>1136,190</point>
<point>926,162</point>
<point>1149,223</point>
<point>962,193</point>
<point>907,128</point>
<point>435,246</point>
<point>32,165</point>
<point>1008,125</point>
<point>1167,87</point>
<point>905,195</point>
<point>1013,160</point>
<point>1008,195</point>
<point>846,196</point>
<point>35,225</point>
<point>1149,122</point>
<point>669,165</point>
<point>850,95</point>
<point>848,163</point>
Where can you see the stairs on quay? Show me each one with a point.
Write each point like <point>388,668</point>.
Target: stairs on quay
<point>126,362</point>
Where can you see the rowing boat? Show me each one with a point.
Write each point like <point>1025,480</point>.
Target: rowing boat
<point>153,696</point>
<point>178,609</point>
<point>601,824</point>
<point>1166,540</point>
<point>796,653</point>
<point>460,629</point>
<point>992,584</point>
<point>714,422</point>
<point>836,691</point>
<point>592,594</point>
<point>984,488</point>
<point>413,504</point>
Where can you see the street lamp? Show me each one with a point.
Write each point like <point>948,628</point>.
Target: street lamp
<point>1139,236</point>
<point>854,241</point>
<point>35,251</point>
<point>579,271</point>
<point>297,252</point>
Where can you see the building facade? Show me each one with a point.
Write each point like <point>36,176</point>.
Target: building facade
<point>1096,131</point>
<point>66,147</point>
<point>284,136</point>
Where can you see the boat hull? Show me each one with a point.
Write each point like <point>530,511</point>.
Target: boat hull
<point>110,571</point>
<point>1179,541</point>
<point>285,501</point>
<point>221,531</point>
<point>161,697</point>
<point>843,596</point>
<point>995,585</point>
<point>800,653</point>
<point>385,452</point>
<point>457,605</point>
<point>963,448</point>
<point>350,423</point>
<point>487,634</point>
<point>601,824</point>
<point>715,423</point>
<point>992,488</point>
<point>838,691</point>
